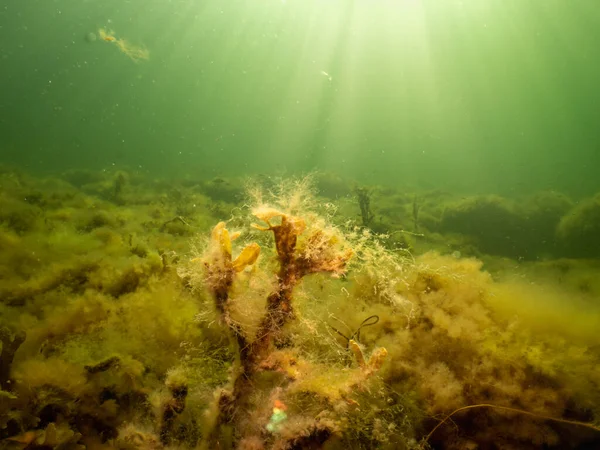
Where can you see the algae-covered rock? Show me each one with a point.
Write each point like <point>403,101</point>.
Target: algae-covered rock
<point>491,220</point>
<point>579,230</point>
<point>523,228</point>
<point>542,213</point>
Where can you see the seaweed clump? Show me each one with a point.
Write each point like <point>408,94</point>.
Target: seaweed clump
<point>364,202</point>
<point>506,382</point>
<point>524,229</point>
<point>283,330</point>
<point>266,355</point>
<point>579,230</point>
<point>491,221</point>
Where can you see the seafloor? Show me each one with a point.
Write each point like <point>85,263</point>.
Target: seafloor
<point>344,316</point>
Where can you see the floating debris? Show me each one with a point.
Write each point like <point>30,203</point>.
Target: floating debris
<point>136,53</point>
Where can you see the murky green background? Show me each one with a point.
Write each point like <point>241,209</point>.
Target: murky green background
<point>477,96</point>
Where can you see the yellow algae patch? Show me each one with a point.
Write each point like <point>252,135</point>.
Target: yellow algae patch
<point>544,309</point>
<point>136,53</point>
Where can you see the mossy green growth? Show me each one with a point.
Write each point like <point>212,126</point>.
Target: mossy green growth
<point>121,350</point>
<point>579,230</point>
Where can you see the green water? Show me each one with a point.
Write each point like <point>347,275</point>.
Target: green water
<point>496,96</point>
<point>169,279</point>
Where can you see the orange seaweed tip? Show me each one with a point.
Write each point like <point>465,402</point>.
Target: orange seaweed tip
<point>280,405</point>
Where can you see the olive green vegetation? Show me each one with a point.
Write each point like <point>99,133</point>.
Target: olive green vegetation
<point>343,316</point>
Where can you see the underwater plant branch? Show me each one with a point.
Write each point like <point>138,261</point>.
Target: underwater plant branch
<point>317,255</point>
<point>364,202</point>
<point>299,251</point>
<point>279,303</point>
<point>278,312</point>
<point>514,410</point>
<point>220,272</point>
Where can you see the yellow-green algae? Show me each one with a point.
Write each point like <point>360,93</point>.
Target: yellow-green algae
<point>121,351</point>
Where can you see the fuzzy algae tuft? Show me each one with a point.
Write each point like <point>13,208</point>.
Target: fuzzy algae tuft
<point>301,248</point>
